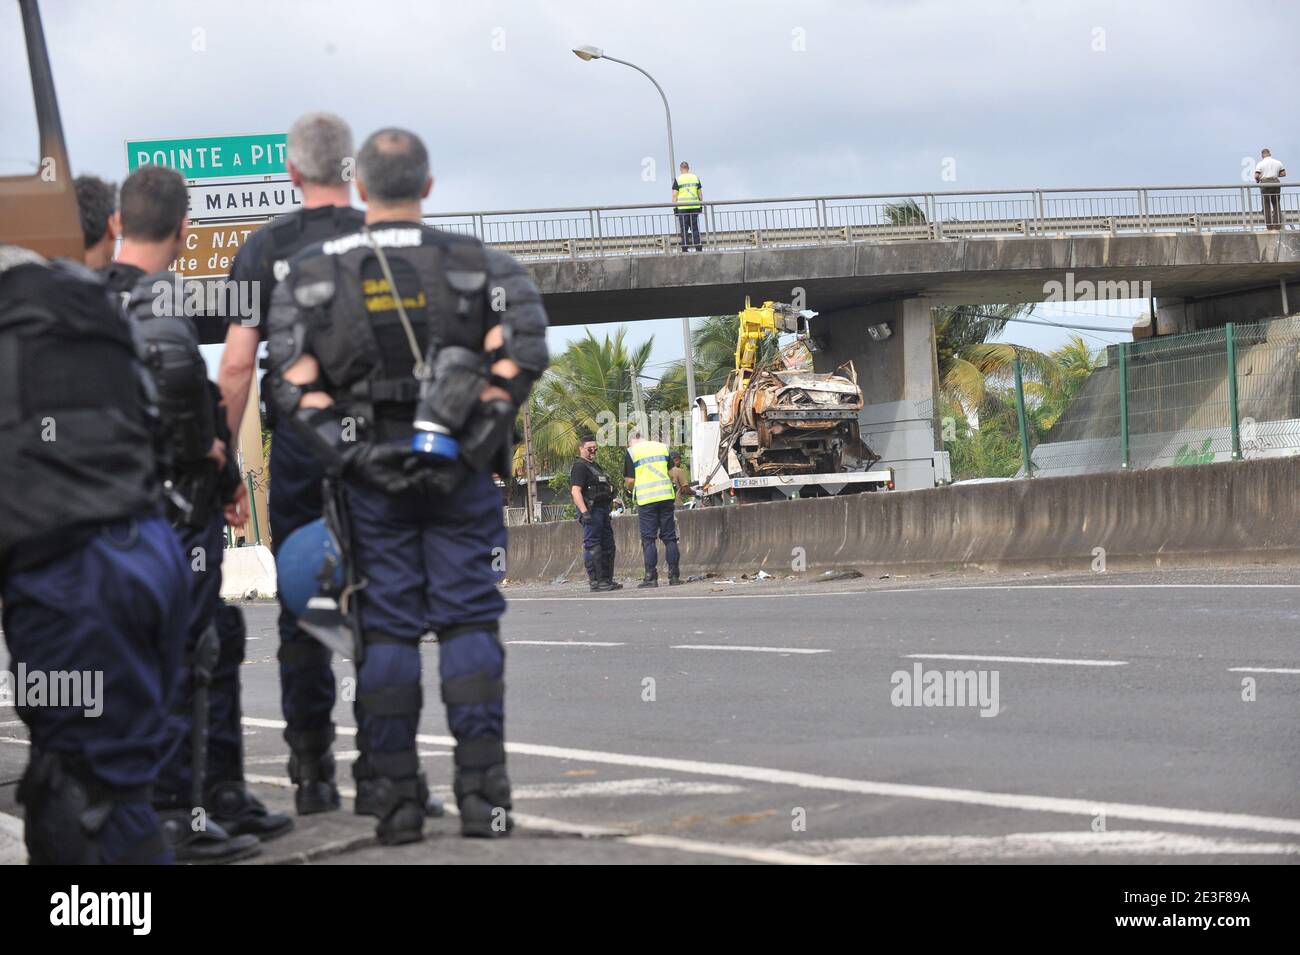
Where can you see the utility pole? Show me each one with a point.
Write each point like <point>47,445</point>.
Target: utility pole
<point>589,53</point>
<point>638,407</point>
<point>534,512</point>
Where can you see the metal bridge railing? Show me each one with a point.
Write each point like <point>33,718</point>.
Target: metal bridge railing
<point>738,224</point>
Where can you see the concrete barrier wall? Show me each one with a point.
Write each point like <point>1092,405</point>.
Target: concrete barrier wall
<point>247,572</point>
<point>1247,512</point>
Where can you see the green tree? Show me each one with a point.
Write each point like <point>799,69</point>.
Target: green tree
<point>967,360</point>
<point>580,392</point>
<point>713,340</point>
<point>1076,361</point>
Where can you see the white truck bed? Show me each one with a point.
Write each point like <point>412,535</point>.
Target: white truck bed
<point>788,484</point>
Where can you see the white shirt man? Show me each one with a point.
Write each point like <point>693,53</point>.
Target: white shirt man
<point>1267,171</point>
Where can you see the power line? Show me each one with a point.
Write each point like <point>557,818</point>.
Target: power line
<point>1071,327</point>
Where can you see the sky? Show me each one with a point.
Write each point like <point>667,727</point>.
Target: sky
<point>769,99</point>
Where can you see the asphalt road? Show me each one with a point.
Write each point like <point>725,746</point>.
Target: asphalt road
<point>742,721</point>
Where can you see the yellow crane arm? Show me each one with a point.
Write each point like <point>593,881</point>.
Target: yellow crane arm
<point>755,325</point>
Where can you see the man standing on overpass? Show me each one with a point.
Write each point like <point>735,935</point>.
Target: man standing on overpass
<point>1269,174</point>
<point>646,470</point>
<point>687,196</point>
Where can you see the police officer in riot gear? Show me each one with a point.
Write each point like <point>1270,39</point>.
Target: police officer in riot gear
<point>402,354</point>
<point>319,156</point>
<point>92,578</point>
<point>593,496</point>
<point>205,769</point>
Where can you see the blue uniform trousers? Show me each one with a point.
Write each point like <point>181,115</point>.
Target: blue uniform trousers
<point>307,690</point>
<point>656,521</point>
<point>115,606</point>
<point>432,563</point>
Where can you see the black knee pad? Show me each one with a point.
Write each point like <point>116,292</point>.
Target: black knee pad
<point>310,757</point>
<point>66,810</point>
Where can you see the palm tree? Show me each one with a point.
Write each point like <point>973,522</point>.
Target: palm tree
<point>968,362</point>
<point>1076,361</point>
<point>713,341</point>
<point>581,391</point>
<point>906,212</point>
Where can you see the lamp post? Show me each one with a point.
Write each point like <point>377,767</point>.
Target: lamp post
<point>589,53</point>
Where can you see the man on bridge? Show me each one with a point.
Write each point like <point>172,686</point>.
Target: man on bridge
<point>1269,173</point>
<point>687,195</point>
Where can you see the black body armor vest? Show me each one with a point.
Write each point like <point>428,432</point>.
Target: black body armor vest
<point>76,432</point>
<point>353,327</point>
<point>597,490</point>
<point>187,405</point>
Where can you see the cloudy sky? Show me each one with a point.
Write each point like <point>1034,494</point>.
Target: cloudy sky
<point>768,98</point>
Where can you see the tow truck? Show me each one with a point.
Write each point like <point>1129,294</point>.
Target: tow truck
<point>777,429</point>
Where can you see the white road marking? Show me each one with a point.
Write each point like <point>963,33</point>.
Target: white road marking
<point>1096,586</point>
<point>758,595</point>
<point>1261,670</point>
<point>524,819</point>
<point>748,853</point>
<point>987,659</point>
<point>972,797</point>
<point>721,646</point>
<point>12,723</point>
<point>562,643</point>
<point>655,786</point>
<point>15,739</point>
<point>13,848</point>
<point>546,824</point>
<point>11,826</point>
<point>1036,845</point>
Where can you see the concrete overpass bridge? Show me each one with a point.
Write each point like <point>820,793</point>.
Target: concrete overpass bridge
<point>622,263</point>
<point>1205,252</point>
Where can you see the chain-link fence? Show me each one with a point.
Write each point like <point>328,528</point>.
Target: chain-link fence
<point>1170,401</point>
<point>517,516</point>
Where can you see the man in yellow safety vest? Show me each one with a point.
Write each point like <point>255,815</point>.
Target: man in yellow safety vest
<point>687,201</point>
<point>646,470</point>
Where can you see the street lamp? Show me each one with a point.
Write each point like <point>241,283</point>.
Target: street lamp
<point>589,53</point>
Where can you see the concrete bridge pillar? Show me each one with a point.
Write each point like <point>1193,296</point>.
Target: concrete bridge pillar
<point>1177,315</point>
<point>899,381</point>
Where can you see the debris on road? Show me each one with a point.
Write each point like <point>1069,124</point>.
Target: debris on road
<point>830,575</point>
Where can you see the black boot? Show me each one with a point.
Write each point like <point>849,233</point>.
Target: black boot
<point>607,573</point>
<point>674,576</point>
<point>311,767</point>
<point>651,580</point>
<point>208,843</point>
<point>239,812</point>
<point>367,801</point>
<point>483,796</point>
<point>400,810</point>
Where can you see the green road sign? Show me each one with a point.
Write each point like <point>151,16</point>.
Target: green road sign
<point>210,157</point>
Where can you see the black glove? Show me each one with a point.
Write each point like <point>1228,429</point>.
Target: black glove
<point>584,518</point>
<point>382,466</point>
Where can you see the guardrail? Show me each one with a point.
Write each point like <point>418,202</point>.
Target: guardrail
<point>809,221</point>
